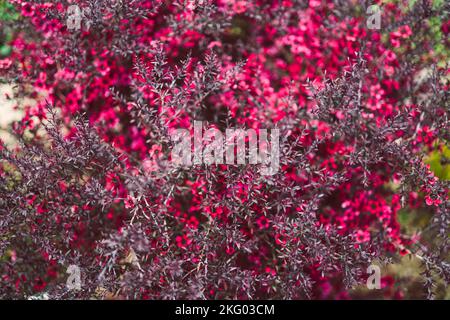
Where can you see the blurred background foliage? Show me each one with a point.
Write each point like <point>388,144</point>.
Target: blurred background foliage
<point>401,279</point>
<point>7,13</point>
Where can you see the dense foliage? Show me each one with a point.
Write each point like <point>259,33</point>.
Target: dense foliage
<point>88,183</point>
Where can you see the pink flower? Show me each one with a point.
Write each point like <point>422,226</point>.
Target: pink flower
<point>5,63</point>
<point>129,202</point>
<point>27,10</point>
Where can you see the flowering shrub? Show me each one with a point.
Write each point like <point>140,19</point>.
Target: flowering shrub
<point>90,183</point>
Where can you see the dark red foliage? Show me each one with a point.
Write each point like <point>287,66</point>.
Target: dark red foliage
<point>94,189</point>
